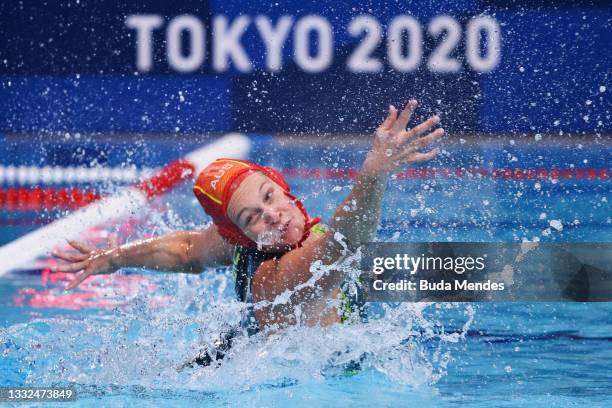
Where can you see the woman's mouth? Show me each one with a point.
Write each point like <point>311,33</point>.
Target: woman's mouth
<point>275,236</point>
<point>284,230</point>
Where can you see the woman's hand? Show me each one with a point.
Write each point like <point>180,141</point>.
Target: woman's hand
<point>395,146</point>
<point>90,260</point>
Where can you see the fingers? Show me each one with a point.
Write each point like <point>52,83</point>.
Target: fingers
<point>430,138</point>
<point>69,256</point>
<point>404,117</point>
<point>391,118</point>
<point>420,128</point>
<point>84,249</point>
<point>79,279</point>
<point>71,267</point>
<point>417,157</point>
<point>413,156</point>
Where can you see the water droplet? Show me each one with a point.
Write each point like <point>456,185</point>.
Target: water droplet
<point>556,224</point>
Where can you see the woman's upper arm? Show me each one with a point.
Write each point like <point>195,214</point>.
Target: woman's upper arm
<point>276,276</point>
<point>209,249</point>
<point>292,269</point>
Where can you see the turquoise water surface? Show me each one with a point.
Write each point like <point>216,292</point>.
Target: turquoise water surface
<point>119,339</point>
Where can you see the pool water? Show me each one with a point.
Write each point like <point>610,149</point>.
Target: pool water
<point>120,337</point>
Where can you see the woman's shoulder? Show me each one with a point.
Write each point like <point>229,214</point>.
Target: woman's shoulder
<point>317,231</point>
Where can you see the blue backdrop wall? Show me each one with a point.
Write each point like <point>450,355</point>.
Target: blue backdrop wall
<point>292,66</point>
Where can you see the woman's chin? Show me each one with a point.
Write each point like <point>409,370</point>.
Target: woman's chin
<point>287,243</point>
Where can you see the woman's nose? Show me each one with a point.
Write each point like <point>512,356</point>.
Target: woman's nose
<point>271,216</point>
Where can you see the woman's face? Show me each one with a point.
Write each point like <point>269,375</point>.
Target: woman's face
<point>260,208</point>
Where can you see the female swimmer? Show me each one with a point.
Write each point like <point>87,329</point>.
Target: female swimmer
<point>266,233</point>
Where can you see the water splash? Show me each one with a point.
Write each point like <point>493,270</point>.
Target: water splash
<point>143,346</point>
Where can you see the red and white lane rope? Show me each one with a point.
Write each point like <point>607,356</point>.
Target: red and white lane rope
<point>36,199</point>
<point>126,202</point>
<point>61,198</point>
<point>47,175</point>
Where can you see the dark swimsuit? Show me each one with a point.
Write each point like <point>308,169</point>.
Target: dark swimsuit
<point>245,263</point>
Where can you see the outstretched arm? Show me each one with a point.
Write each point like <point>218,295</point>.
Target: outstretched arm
<point>183,251</point>
<point>356,218</point>
<point>394,148</point>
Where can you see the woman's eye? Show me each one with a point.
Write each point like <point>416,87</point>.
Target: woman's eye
<point>268,196</point>
<point>251,218</point>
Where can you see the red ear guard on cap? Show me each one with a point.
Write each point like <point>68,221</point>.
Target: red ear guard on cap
<point>215,186</point>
